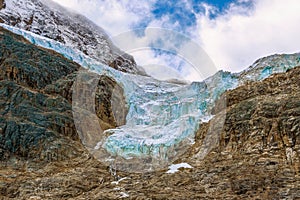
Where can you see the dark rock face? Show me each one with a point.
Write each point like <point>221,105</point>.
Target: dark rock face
<point>110,93</point>
<point>38,137</point>
<point>36,100</point>
<point>125,63</point>
<point>24,64</point>
<point>29,118</point>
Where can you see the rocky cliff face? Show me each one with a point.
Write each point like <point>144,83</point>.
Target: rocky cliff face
<point>36,109</point>
<point>50,20</point>
<point>255,154</point>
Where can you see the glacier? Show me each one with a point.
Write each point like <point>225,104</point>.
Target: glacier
<point>161,115</point>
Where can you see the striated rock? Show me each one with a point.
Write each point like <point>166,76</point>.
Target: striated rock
<point>29,66</point>
<point>258,149</point>
<point>32,122</point>
<point>108,93</point>
<point>36,118</point>
<point>110,103</point>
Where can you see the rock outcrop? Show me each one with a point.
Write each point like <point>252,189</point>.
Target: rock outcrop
<point>256,153</point>
<point>36,101</point>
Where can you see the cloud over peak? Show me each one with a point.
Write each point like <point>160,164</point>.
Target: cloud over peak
<point>234,33</point>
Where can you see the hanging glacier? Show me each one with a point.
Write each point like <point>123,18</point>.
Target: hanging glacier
<point>162,114</point>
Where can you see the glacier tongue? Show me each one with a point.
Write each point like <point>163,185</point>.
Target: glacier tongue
<point>162,115</point>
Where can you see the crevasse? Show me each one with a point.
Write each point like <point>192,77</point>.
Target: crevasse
<point>163,114</point>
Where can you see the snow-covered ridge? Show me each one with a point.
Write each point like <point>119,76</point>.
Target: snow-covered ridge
<point>48,19</point>
<point>264,67</point>
<point>161,114</point>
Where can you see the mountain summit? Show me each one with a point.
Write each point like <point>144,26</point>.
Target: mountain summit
<point>48,19</point>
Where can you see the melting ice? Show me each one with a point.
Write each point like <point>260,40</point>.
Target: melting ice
<point>162,114</point>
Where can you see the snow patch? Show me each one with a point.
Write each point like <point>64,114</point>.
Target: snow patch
<point>175,167</point>
<point>118,181</point>
<point>124,195</point>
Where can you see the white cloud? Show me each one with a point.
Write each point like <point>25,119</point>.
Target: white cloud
<point>157,66</point>
<point>196,65</point>
<point>236,39</point>
<point>114,16</point>
<point>233,40</point>
<point>117,17</point>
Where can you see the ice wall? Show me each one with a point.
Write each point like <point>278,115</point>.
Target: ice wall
<point>163,114</point>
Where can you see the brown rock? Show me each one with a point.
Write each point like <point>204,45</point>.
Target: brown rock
<point>2,4</point>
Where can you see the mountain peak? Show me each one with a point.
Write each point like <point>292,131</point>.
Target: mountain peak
<point>48,19</point>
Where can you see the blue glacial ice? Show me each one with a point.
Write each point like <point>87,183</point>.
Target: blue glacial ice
<point>163,114</point>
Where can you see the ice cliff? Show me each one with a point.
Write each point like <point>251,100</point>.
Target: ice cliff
<point>162,115</point>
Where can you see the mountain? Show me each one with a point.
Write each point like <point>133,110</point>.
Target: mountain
<point>50,20</point>
<point>247,148</point>
<point>36,109</point>
<point>162,117</point>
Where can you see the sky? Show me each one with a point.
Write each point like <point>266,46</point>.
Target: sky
<point>192,39</point>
